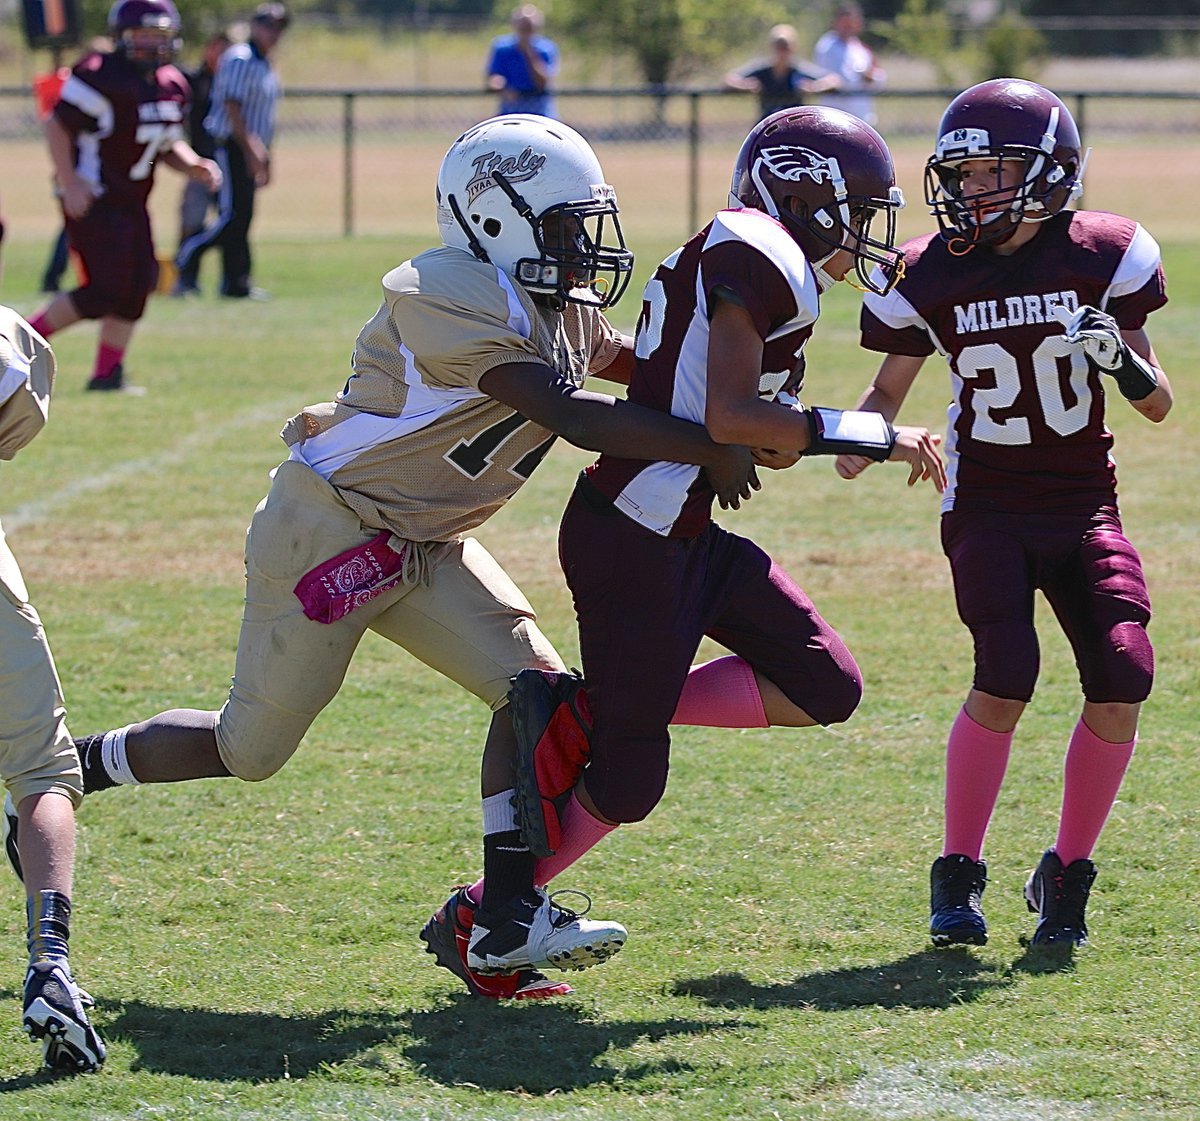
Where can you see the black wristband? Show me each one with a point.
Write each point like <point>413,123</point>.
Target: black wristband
<point>1135,377</point>
<point>849,432</point>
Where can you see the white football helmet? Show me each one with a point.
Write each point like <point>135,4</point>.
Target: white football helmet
<point>527,194</point>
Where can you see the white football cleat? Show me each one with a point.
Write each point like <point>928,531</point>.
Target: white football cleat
<point>535,932</point>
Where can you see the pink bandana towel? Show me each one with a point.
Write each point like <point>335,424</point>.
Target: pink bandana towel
<point>340,585</point>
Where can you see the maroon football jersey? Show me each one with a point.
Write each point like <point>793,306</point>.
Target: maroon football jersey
<point>1026,420</point>
<point>122,119</point>
<point>753,256</point>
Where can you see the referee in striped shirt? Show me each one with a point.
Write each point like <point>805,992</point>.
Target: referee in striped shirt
<point>245,94</point>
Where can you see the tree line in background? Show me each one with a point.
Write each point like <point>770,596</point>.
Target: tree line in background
<point>670,40</point>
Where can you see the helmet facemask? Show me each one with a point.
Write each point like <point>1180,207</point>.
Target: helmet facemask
<point>148,48</point>
<point>855,217</point>
<point>574,264</point>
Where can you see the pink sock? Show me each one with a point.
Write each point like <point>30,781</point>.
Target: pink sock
<point>721,694</point>
<point>39,324</point>
<point>1092,776</point>
<point>976,759</point>
<point>107,359</point>
<point>580,833</point>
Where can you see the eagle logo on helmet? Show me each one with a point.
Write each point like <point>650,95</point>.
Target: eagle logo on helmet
<point>516,169</point>
<point>786,161</point>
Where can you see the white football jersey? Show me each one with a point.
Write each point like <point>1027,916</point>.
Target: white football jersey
<point>411,443</point>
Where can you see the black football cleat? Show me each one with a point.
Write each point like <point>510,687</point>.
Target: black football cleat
<point>1058,895</point>
<point>115,382</point>
<point>956,884</point>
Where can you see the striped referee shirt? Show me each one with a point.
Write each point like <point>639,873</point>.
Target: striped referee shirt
<point>246,76</point>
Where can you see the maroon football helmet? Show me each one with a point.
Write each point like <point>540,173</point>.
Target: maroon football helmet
<point>825,175</point>
<point>1004,119</point>
<point>145,31</point>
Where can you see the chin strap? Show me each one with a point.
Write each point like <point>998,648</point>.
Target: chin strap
<point>476,247</point>
<point>824,280</point>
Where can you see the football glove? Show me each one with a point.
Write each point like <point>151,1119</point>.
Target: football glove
<point>1096,333</point>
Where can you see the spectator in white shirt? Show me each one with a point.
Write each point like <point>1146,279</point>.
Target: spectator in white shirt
<point>840,51</point>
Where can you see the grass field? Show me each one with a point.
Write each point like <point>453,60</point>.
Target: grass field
<point>253,949</point>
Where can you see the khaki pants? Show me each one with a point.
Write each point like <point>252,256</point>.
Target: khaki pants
<point>469,622</point>
<point>36,753</point>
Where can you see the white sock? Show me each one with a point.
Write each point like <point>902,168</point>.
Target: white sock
<point>499,814</point>
<point>114,759</point>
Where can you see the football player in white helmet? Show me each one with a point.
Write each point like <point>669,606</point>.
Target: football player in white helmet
<point>1035,306</point>
<point>469,369</point>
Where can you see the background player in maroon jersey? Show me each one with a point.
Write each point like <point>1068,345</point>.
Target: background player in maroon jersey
<point>1010,292</point>
<point>719,342</point>
<point>118,114</point>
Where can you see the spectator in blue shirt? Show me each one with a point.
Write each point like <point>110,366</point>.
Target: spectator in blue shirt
<point>521,65</point>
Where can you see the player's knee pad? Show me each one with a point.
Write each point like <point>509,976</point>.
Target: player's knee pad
<point>1121,669</point>
<point>91,303</point>
<point>1007,659</point>
<point>94,302</point>
<point>254,770</point>
<point>131,306</point>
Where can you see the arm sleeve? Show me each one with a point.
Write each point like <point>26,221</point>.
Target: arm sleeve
<point>754,281</point>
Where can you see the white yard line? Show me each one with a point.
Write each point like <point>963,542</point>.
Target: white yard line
<point>934,1089</point>
<point>45,506</point>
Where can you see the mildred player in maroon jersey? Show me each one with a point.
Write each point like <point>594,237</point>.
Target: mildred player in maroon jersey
<point>720,342</point>
<point>1030,304</point>
<point>119,113</point>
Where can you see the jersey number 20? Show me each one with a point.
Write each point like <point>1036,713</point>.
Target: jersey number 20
<point>1063,418</point>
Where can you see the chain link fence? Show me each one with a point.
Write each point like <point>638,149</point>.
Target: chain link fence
<point>363,161</point>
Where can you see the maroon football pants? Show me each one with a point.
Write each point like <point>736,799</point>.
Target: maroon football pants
<point>116,249</point>
<point>644,602</point>
<point>1090,575</point>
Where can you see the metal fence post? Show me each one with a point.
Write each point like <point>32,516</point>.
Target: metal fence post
<point>693,164</point>
<point>348,165</point>
<point>1081,125</point>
